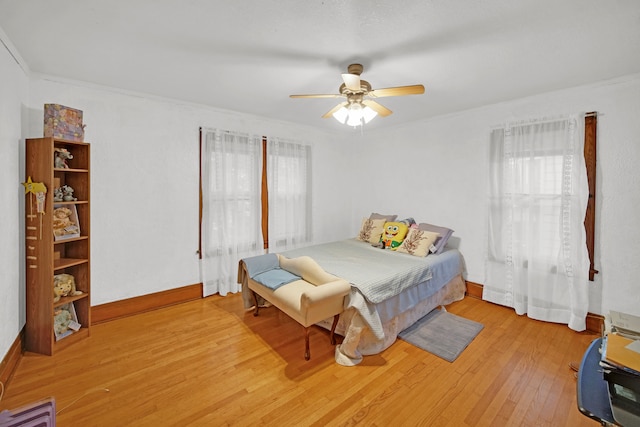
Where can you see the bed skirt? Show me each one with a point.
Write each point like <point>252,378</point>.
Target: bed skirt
<point>359,341</point>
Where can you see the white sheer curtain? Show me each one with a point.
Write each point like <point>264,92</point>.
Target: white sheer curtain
<point>537,260</point>
<point>231,208</point>
<point>289,183</point>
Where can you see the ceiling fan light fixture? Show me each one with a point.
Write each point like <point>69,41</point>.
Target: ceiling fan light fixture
<point>355,115</point>
<point>341,115</point>
<point>368,114</point>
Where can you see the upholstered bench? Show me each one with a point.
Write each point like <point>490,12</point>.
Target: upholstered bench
<point>314,295</point>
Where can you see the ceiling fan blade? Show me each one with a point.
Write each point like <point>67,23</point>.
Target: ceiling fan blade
<point>335,95</point>
<point>352,81</point>
<point>380,109</point>
<point>334,109</point>
<point>397,91</point>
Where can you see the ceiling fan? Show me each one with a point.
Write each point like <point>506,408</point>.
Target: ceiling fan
<point>359,108</point>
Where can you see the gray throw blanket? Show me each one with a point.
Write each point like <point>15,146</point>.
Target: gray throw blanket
<point>261,263</point>
<point>266,269</point>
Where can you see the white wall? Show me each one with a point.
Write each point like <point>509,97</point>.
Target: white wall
<point>13,101</point>
<point>435,171</point>
<point>144,176</point>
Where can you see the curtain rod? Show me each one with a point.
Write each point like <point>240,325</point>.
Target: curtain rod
<point>541,120</point>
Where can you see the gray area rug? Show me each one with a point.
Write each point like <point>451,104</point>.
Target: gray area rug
<point>442,333</point>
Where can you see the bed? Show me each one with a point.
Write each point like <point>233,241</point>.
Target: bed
<point>390,291</point>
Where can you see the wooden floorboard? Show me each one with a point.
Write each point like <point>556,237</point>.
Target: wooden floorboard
<point>210,363</point>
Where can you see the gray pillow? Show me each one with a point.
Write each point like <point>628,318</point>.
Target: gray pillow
<point>387,218</point>
<point>444,233</point>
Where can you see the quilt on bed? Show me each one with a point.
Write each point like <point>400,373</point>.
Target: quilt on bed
<point>378,275</point>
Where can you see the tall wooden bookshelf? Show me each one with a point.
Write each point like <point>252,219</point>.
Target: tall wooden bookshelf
<point>48,255</point>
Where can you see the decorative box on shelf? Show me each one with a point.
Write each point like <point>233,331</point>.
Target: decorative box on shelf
<point>63,122</point>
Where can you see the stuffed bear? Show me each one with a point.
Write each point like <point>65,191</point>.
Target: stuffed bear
<point>64,285</point>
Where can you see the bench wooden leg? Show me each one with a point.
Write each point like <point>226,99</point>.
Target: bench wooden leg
<point>307,354</point>
<point>332,337</point>
<point>255,300</point>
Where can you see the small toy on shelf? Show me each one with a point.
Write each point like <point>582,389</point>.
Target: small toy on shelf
<point>67,193</point>
<point>60,157</point>
<point>64,194</point>
<point>64,285</point>
<point>58,196</point>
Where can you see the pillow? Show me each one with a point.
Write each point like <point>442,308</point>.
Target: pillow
<point>393,234</point>
<point>418,242</point>
<point>444,233</point>
<point>371,230</point>
<point>389,218</point>
<point>409,221</point>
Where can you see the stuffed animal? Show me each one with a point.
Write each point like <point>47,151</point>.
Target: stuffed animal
<point>60,157</point>
<point>61,320</point>
<point>393,234</point>
<point>64,285</point>
<point>67,193</point>
<point>58,195</point>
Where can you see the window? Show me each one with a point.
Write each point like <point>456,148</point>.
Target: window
<point>230,206</point>
<point>537,259</point>
<point>231,185</point>
<point>289,190</point>
<point>255,195</point>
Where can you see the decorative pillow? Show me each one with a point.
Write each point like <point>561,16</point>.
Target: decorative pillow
<point>409,221</point>
<point>388,218</point>
<point>444,233</point>
<point>393,234</point>
<point>371,230</point>
<point>418,242</point>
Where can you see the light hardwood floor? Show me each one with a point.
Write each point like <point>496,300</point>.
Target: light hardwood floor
<point>210,363</point>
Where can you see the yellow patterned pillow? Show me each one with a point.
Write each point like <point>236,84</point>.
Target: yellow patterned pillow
<point>371,230</point>
<point>418,242</point>
<point>393,234</point>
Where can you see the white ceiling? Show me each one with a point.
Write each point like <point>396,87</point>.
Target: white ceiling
<point>250,55</point>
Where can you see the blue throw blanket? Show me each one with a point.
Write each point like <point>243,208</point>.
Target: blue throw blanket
<point>265,269</point>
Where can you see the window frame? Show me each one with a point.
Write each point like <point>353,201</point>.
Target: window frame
<point>264,195</point>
